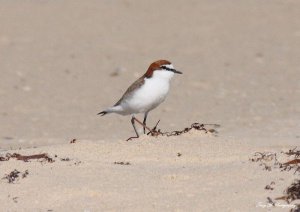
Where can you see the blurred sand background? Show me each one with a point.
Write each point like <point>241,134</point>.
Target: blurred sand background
<point>240,61</point>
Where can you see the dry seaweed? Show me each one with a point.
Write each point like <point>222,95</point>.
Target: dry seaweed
<point>263,156</point>
<point>293,152</point>
<point>157,132</point>
<point>271,186</point>
<point>293,191</point>
<point>268,160</point>
<point>14,175</point>
<point>26,158</point>
<point>195,126</point>
<point>73,141</point>
<point>122,163</point>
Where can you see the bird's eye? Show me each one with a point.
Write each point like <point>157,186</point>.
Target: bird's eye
<point>165,67</point>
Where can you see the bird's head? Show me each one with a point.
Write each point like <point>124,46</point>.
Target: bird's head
<point>162,68</point>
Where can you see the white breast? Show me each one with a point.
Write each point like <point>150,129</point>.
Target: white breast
<point>151,94</point>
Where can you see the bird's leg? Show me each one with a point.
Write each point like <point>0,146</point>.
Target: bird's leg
<point>132,122</point>
<point>133,119</point>
<point>144,122</point>
<point>138,121</point>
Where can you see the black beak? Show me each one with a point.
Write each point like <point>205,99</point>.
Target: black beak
<point>176,72</point>
<point>171,69</point>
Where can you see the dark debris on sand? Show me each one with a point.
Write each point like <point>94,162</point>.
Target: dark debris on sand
<point>26,158</point>
<point>14,175</point>
<point>269,161</point>
<point>122,163</point>
<point>195,126</point>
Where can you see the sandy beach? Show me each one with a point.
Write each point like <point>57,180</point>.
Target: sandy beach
<point>62,62</point>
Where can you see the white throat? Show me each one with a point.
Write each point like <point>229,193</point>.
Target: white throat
<point>163,74</point>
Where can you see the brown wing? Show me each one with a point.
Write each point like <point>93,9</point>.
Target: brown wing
<point>137,84</point>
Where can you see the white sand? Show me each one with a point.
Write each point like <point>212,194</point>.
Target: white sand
<point>211,174</point>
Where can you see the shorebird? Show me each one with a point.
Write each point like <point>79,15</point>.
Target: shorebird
<point>145,94</point>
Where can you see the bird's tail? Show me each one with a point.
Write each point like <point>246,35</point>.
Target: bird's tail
<point>102,113</point>
<point>114,109</point>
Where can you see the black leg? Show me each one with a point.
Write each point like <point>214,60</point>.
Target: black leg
<point>132,122</point>
<point>133,119</point>
<point>144,122</point>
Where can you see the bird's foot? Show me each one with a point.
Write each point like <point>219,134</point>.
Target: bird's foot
<point>130,138</point>
<point>154,131</point>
